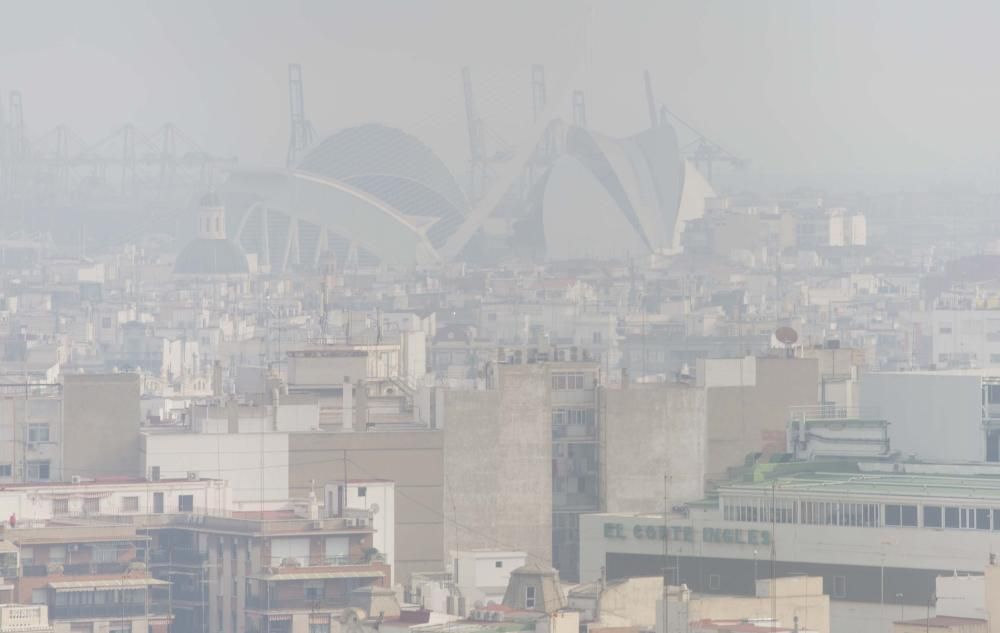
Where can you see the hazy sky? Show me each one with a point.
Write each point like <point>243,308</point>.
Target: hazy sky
<point>845,92</point>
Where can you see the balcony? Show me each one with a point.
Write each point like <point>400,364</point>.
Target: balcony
<point>86,569</point>
<point>121,610</point>
<point>259,603</point>
<point>187,594</point>
<point>178,556</point>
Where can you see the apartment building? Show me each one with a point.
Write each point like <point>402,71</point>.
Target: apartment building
<point>271,571</point>
<point>91,577</point>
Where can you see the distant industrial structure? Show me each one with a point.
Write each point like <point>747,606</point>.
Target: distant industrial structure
<point>377,193</point>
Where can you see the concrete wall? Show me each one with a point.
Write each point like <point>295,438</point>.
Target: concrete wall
<point>650,431</point>
<point>752,418</point>
<point>993,596</point>
<point>631,602</point>
<point>412,459</point>
<point>326,369</point>
<point>16,414</point>
<point>101,416</point>
<point>813,610</point>
<point>957,626</point>
<point>936,415</point>
<point>498,464</point>
<point>254,464</point>
<point>961,596</point>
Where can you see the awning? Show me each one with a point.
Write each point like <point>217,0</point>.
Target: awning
<point>93,585</point>
<point>321,575</point>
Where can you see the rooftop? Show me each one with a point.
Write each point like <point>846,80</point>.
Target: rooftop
<point>972,485</point>
<point>942,621</point>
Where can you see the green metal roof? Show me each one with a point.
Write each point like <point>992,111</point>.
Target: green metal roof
<point>881,485</point>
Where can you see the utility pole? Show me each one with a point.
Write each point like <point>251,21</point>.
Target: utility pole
<point>666,568</point>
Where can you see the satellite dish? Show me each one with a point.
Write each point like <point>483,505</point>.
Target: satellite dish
<point>374,509</point>
<point>786,335</point>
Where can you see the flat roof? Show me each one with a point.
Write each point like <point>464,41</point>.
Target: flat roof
<point>942,621</point>
<point>320,575</point>
<point>86,585</point>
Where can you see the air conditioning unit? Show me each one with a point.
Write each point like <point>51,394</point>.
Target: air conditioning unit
<point>316,525</point>
<point>192,475</point>
<point>75,479</point>
<point>351,522</point>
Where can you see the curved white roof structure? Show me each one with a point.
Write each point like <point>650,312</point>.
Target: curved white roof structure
<point>610,198</point>
<point>382,191</point>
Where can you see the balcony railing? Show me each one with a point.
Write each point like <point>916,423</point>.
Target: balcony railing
<point>181,556</point>
<point>259,603</point>
<point>831,412</point>
<point>187,594</point>
<point>127,610</point>
<point>307,561</point>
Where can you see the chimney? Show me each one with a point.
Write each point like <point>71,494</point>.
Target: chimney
<point>361,417</point>
<point>347,405</point>
<point>217,379</point>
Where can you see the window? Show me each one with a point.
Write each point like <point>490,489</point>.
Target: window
<point>130,504</point>
<point>185,503</point>
<point>92,505</point>
<point>714,582</point>
<point>60,506</point>
<point>499,564</point>
<point>38,432</point>
<point>563,381</point>
<point>362,491</point>
<point>982,519</point>
<point>6,470</point>
<point>951,517</point>
<point>900,515</point>
<point>932,516</point>
<point>996,520</point>
<point>57,554</point>
<point>38,471</point>
<point>529,597</point>
<point>944,329</point>
<point>892,515</point>
<point>39,596</point>
<point>314,590</point>
<point>319,627</point>
<point>839,586</point>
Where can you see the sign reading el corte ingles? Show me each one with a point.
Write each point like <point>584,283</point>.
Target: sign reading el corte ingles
<point>687,534</point>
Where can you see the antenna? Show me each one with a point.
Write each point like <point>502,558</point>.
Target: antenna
<point>128,157</point>
<point>579,109</point>
<point>301,131</point>
<point>538,96</point>
<point>15,144</point>
<point>654,120</point>
<point>477,138</point>
<point>787,337</point>
<point>539,100</point>
<point>168,157</point>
